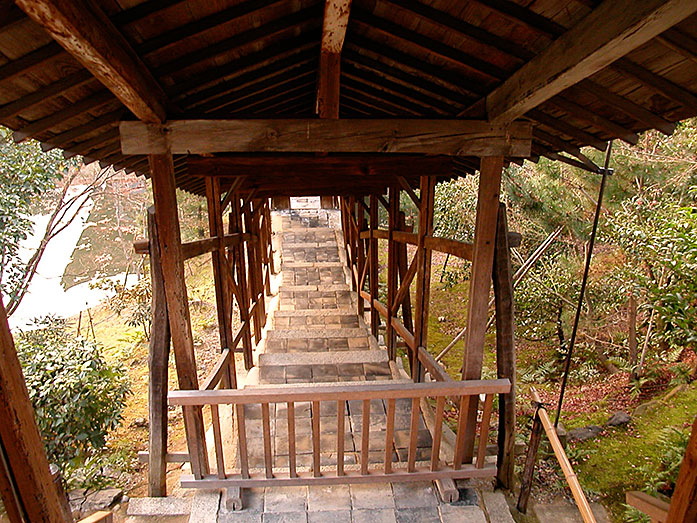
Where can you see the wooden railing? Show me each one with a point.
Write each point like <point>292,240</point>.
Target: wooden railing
<point>336,396</point>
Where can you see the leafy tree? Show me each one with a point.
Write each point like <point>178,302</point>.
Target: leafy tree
<point>77,396</point>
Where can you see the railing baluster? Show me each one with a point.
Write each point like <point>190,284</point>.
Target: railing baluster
<point>389,435</point>
<point>266,423</point>
<point>461,432</point>
<point>484,431</point>
<point>291,440</point>
<point>218,441</point>
<point>340,408</point>
<point>242,435</point>
<point>413,434</point>
<point>365,437</point>
<point>315,440</point>
<point>437,434</point>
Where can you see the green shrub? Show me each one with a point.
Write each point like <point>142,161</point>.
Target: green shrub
<point>77,396</point>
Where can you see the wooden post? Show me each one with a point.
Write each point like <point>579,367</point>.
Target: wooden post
<point>505,350</point>
<point>327,202</point>
<point>373,274</point>
<point>158,358</point>
<point>683,504</point>
<point>423,273</point>
<point>362,225</point>
<point>281,203</point>
<point>402,268</point>
<point>353,241</point>
<point>480,285</point>
<point>29,488</point>
<point>269,235</point>
<point>530,461</point>
<point>252,271</point>
<point>222,294</point>
<point>167,219</point>
<point>391,268</point>
<point>256,214</point>
<point>238,262</point>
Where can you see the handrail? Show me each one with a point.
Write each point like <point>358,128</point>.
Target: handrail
<point>542,417</point>
<point>216,375</point>
<point>455,248</point>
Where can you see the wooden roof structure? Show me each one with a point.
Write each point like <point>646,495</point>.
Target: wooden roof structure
<point>580,71</point>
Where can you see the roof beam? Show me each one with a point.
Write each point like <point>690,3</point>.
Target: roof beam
<point>85,32</point>
<point>336,16</point>
<point>609,32</point>
<point>451,137</point>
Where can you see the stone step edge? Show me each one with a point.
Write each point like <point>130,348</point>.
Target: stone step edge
<point>275,359</point>
<point>350,332</point>
<point>341,311</point>
<point>305,265</point>
<point>170,506</point>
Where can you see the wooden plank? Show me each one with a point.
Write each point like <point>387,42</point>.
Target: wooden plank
<point>434,368</point>
<point>392,217</point>
<point>167,219</point>
<point>661,85</point>
<point>655,508</point>
<point>316,440</point>
<point>337,391</point>
<point>266,431</point>
<point>340,434</point>
<point>451,137</point>
<point>402,330</point>
<point>480,282</point>
<point>374,282</point>
<point>238,260</point>
<point>505,350</point>
<point>610,31</point>
<point>292,457</point>
<point>423,282</point>
<point>242,441</point>
<point>351,477</point>
<point>158,358</point>
<point>402,273</point>
<point>389,434</point>
<point>103,516</point>
<point>218,441</point>
<point>170,457</point>
<point>529,469</point>
<point>88,34</point>
<point>22,447</point>
<point>484,431</point>
<point>365,436</point>
<point>683,504</point>
<point>218,371</point>
<point>437,435</point>
<point>413,434</point>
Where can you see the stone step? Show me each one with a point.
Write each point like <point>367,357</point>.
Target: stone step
<point>304,334</point>
<point>333,321</point>
<point>318,344</point>
<point>323,358</point>
<point>319,265</point>
<point>315,312</point>
<point>328,244</point>
<point>316,288</point>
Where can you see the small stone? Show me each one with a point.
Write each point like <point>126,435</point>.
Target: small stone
<point>441,319</point>
<point>585,433</point>
<point>101,500</point>
<point>618,419</point>
<point>139,422</point>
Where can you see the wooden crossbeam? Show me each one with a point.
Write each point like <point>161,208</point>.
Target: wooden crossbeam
<point>86,33</point>
<point>451,137</point>
<point>609,32</point>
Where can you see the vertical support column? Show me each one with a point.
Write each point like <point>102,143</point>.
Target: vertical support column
<point>26,485</point>
<point>243,290</point>
<point>259,258</point>
<point>480,285</point>
<point>505,350</point>
<point>423,274</point>
<point>169,237</point>
<point>327,202</point>
<point>269,235</point>
<point>373,261</point>
<point>352,241</point>
<point>281,203</point>
<point>158,358</point>
<point>391,268</point>
<point>362,225</point>
<point>402,266</point>
<point>252,269</point>
<point>222,294</point>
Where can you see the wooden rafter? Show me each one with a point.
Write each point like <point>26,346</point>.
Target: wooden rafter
<point>85,32</point>
<point>609,32</point>
<point>336,16</point>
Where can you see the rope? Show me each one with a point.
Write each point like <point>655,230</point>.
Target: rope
<point>567,364</point>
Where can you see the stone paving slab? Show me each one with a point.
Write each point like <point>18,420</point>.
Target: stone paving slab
<point>323,358</point>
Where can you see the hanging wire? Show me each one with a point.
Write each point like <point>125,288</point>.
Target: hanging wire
<point>606,171</point>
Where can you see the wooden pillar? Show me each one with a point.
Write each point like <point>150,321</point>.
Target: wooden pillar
<point>158,359</point>
<point>480,285</point>
<point>403,267</point>
<point>373,261</point>
<point>281,203</point>
<point>26,484</point>
<point>269,235</point>
<point>222,294</point>
<point>257,230</point>
<point>423,273</point>
<point>167,218</point>
<point>391,268</point>
<point>505,350</point>
<point>252,270</point>
<point>362,225</point>
<point>353,241</point>
<point>683,504</point>
<point>327,202</point>
<point>238,262</point>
